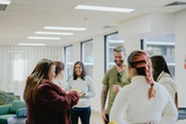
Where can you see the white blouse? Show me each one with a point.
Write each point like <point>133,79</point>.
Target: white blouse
<point>133,106</point>
<point>166,80</point>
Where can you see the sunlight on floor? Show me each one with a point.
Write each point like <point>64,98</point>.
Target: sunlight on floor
<point>96,118</point>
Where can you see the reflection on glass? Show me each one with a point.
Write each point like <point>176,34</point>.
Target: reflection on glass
<point>88,56</point>
<point>163,45</point>
<point>68,61</point>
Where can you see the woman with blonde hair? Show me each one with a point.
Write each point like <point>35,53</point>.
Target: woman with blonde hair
<point>46,102</point>
<point>143,101</point>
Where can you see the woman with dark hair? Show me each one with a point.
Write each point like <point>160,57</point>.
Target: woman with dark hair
<point>46,102</point>
<point>143,101</point>
<point>163,76</point>
<point>83,84</point>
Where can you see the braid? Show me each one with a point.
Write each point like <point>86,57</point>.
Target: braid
<point>139,60</point>
<point>149,79</point>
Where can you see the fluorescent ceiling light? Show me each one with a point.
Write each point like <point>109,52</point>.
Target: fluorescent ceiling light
<point>54,33</point>
<point>5,2</point>
<point>65,28</point>
<point>100,8</point>
<point>44,38</point>
<point>31,44</point>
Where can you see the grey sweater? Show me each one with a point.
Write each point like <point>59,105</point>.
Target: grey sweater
<point>85,86</point>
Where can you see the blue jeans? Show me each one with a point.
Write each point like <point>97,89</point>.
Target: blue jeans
<point>83,113</point>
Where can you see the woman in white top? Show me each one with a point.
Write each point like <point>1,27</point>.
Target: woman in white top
<point>83,84</point>
<point>163,76</point>
<point>143,101</point>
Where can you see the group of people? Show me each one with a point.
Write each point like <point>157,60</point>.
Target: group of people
<point>47,100</point>
<point>145,94</point>
<point>143,91</point>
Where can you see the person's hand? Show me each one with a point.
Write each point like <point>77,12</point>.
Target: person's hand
<point>103,113</point>
<point>81,94</point>
<point>75,89</point>
<point>116,88</point>
<point>74,96</point>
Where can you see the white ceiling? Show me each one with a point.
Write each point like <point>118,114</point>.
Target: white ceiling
<point>22,18</point>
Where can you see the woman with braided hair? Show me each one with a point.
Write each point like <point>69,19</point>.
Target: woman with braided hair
<point>143,101</point>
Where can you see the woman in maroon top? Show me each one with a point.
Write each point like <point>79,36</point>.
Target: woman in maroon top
<point>46,102</point>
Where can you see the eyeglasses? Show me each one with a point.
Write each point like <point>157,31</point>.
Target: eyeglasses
<point>118,77</point>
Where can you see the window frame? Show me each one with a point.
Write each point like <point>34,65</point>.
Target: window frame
<point>68,74</point>
<point>161,44</point>
<point>107,47</point>
<point>83,59</point>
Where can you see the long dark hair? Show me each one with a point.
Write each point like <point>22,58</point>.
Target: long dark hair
<point>83,71</point>
<point>159,64</point>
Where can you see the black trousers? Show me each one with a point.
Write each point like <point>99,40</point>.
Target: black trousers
<point>107,117</point>
<point>82,113</point>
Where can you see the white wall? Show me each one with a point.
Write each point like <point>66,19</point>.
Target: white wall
<point>131,43</point>
<point>180,51</point>
<point>147,25</point>
<point>76,52</point>
<point>132,31</point>
<point>98,70</point>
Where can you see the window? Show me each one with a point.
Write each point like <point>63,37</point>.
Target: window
<point>87,56</point>
<point>68,61</point>
<point>111,41</point>
<point>18,69</point>
<point>18,63</point>
<point>163,45</point>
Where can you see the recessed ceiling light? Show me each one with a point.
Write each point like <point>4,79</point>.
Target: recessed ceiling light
<point>44,38</point>
<point>65,28</point>
<point>31,44</point>
<point>54,33</point>
<point>100,8</point>
<point>5,2</point>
